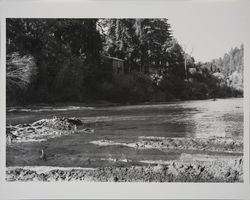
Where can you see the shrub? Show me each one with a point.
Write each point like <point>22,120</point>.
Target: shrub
<point>20,72</point>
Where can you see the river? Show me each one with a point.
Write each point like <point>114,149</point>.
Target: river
<point>191,119</point>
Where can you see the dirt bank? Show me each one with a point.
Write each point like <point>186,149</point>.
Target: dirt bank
<point>173,171</point>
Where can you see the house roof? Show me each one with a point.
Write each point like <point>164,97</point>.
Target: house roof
<point>113,58</point>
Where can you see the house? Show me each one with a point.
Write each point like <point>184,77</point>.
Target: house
<point>117,64</point>
<point>192,70</point>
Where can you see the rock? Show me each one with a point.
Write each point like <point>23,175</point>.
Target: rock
<point>116,179</point>
<point>75,121</point>
<point>88,130</point>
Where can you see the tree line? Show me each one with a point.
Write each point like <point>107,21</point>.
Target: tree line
<point>63,60</point>
<point>229,67</point>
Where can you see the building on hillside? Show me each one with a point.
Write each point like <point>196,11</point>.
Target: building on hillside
<point>118,66</point>
<point>192,70</point>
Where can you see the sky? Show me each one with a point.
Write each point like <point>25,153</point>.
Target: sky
<point>209,29</point>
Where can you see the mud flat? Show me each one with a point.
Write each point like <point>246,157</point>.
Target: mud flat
<point>212,144</point>
<point>173,171</point>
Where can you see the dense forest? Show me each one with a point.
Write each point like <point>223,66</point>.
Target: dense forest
<point>65,60</point>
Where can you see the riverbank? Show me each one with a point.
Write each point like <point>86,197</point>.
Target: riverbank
<point>174,171</point>
<point>64,106</point>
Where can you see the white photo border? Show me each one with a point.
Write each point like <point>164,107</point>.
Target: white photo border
<point>117,9</point>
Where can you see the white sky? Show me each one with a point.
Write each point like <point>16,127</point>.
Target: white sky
<point>210,28</point>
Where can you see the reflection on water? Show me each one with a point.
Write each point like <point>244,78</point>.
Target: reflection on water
<point>222,118</point>
<point>207,118</point>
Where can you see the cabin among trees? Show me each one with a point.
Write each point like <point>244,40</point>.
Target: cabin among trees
<point>192,70</point>
<point>118,66</point>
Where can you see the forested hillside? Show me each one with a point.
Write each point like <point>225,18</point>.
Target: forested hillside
<point>63,60</point>
<point>229,67</point>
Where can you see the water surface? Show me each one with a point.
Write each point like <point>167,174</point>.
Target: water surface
<point>204,118</point>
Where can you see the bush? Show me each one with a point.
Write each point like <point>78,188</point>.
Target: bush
<point>20,72</point>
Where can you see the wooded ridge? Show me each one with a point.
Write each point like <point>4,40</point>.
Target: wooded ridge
<point>115,60</point>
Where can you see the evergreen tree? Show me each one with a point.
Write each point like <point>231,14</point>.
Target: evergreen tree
<point>141,42</point>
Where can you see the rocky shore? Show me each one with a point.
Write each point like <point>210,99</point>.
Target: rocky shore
<point>173,171</point>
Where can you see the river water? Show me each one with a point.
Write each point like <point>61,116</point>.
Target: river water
<point>202,118</point>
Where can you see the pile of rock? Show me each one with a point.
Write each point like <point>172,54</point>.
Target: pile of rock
<point>42,129</point>
<point>58,123</point>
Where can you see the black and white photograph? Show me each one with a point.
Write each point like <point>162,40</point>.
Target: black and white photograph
<point>120,100</point>
<point>135,99</point>
<point>116,95</point>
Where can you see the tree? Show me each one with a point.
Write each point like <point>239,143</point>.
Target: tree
<point>141,42</point>
<point>230,66</point>
<point>56,44</point>
<point>175,59</point>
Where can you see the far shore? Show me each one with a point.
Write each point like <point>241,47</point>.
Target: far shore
<point>100,104</point>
